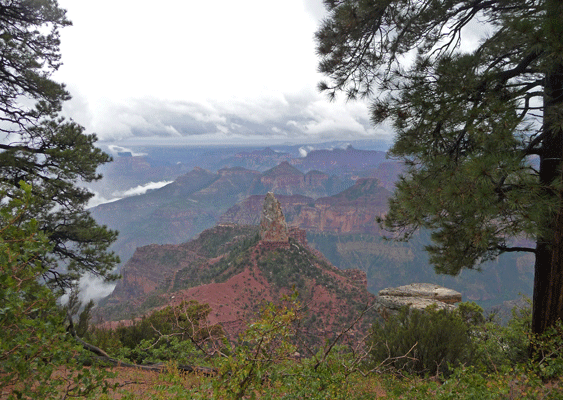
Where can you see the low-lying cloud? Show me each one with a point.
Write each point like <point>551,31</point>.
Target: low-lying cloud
<point>99,199</point>
<point>115,150</point>
<point>94,288</point>
<point>135,191</point>
<point>142,189</point>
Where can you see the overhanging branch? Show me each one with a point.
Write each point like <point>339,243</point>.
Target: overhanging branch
<point>507,249</point>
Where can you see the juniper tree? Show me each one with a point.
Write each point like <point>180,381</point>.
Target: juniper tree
<point>479,128</point>
<point>41,148</point>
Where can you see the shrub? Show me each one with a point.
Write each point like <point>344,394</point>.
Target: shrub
<point>173,333</point>
<point>33,341</point>
<point>264,363</point>
<point>263,348</point>
<point>421,342</point>
<point>547,353</point>
<point>499,348</point>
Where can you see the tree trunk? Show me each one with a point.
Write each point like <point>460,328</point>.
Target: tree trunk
<point>548,279</point>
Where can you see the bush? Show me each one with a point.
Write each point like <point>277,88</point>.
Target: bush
<point>265,345</point>
<point>33,341</point>
<point>422,342</point>
<point>173,333</point>
<point>442,341</point>
<point>547,353</point>
<point>264,363</point>
<point>499,348</point>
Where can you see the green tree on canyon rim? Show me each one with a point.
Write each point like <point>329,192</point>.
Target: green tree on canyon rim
<point>479,126</point>
<point>43,149</point>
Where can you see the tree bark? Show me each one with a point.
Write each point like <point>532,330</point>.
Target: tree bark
<point>548,278</point>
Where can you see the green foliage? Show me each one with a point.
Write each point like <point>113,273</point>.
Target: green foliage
<point>265,342</point>
<point>463,181</point>
<point>105,339</point>
<point>471,313</point>
<point>311,379</point>
<point>236,260</point>
<point>264,364</point>
<point>45,150</point>
<point>498,347</point>
<point>219,241</point>
<point>33,340</point>
<point>43,222</point>
<point>547,352</point>
<point>31,54</point>
<point>174,333</point>
<point>84,319</point>
<point>293,267</point>
<point>499,367</point>
<point>236,241</point>
<point>467,383</point>
<point>422,342</point>
<point>470,123</point>
<point>447,339</point>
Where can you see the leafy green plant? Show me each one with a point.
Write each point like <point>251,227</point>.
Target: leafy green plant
<point>264,364</point>
<point>324,375</point>
<point>421,342</point>
<point>547,352</point>
<point>498,348</point>
<point>33,340</point>
<point>266,342</point>
<point>177,333</point>
<point>469,383</point>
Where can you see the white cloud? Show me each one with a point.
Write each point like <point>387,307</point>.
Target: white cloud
<point>303,151</point>
<point>93,287</point>
<point>115,149</point>
<point>138,190</point>
<point>90,287</point>
<point>99,199</point>
<point>216,70</point>
<point>223,129</point>
<point>142,189</point>
<point>171,131</point>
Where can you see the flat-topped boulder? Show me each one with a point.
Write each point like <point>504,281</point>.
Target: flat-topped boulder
<point>416,296</point>
<point>424,290</point>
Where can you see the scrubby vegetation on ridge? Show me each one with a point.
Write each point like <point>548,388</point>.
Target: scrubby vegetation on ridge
<point>273,359</point>
<point>399,360</point>
<point>237,250</point>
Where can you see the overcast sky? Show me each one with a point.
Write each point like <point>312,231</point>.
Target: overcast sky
<point>200,72</point>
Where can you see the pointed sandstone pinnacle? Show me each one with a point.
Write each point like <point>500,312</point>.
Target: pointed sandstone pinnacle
<point>273,227</point>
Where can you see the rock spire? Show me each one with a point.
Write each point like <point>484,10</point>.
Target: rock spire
<point>273,227</point>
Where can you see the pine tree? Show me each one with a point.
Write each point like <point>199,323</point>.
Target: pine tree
<point>33,339</point>
<point>479,129</point>
<point>39,147</point>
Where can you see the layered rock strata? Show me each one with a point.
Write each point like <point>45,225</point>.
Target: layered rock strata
<point>416,296</point>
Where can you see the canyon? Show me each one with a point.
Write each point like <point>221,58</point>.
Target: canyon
<point>340,221</point>
<point>236,269</point>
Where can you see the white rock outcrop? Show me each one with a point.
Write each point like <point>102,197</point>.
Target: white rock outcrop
<point>417,296</point>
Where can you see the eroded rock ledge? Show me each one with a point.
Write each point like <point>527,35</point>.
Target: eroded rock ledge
<point>417,296</point>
